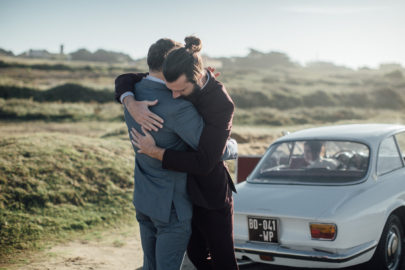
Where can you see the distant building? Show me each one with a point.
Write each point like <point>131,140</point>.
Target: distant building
<point>39,54</point>
<point>44,54</point>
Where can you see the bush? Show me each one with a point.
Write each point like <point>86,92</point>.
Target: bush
<point>388,99</point>
<point>285,101</point>
<point>76,93</point>
<point>65,93</point>
<point>319,98</point>
<point>249,99</point>
<point>396,75</point>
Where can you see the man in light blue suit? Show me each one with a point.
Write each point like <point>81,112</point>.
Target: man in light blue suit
<point>163,208</point>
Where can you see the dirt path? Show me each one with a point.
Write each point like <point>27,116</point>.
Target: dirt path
<point>113,249</point>
<point>92,255</point>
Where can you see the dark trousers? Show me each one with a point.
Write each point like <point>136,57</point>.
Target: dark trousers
<point>211,243</point>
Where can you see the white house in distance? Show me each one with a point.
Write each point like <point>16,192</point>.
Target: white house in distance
<point>44,54</point>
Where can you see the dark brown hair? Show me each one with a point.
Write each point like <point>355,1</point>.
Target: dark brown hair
<point>185,60</point>
<point>316,148</point>
<point>158,52</point>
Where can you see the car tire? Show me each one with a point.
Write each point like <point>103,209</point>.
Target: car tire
<point>390,249</point>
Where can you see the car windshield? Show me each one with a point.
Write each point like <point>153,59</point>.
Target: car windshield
<point>313,161</point>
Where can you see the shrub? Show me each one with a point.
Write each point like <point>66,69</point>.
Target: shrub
<point>319,98</point>
<point>249,99</point>
<point>396,75</point>
<point>65,93</point>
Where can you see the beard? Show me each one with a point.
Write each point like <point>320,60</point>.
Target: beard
<point>193,97</point>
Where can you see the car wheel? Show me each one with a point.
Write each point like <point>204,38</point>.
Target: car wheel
<point>390,249</point>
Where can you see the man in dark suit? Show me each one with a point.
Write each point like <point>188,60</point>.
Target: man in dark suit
<point>209,183</point>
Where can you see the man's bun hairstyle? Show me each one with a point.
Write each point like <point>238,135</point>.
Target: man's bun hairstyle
<point>185,60</point>
<point>193,44</point>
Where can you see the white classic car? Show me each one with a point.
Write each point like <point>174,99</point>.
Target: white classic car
<point>328,197</point>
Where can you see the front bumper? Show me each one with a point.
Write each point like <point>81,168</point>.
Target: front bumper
<point>294,257</point>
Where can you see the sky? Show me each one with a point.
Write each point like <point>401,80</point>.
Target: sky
<point>351,33</point>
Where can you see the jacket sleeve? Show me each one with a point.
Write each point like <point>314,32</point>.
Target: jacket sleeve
<point>210,148</point>
<point>126,82</point>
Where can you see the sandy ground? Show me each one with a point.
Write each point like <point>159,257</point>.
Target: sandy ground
<point>118,248</point>
<point>114,249</point>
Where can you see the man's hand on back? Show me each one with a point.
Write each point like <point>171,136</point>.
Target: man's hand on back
<point>212,70</point>
<point>139,110</point>
<point>146,144</point>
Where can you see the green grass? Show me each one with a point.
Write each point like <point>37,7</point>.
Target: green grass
<point>53,184</point>
<point>29,110</point>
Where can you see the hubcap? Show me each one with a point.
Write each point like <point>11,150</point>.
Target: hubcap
<point>392,244</point>
<point>393,247</point>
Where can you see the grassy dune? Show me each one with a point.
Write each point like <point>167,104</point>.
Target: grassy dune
<point>52,183</point>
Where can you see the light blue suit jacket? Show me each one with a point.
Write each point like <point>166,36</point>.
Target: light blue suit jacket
<point>156,189</point>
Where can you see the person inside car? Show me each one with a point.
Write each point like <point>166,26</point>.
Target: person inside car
<point>314,155</point>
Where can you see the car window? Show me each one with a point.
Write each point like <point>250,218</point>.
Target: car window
<point>388,156</point>
<point>313,162</point>
<point>401,143</point>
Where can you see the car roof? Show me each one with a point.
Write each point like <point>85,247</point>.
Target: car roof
<point>368,133</point>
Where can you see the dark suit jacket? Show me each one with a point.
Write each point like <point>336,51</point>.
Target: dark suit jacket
<point>126,82</point>
<point>209,183</point>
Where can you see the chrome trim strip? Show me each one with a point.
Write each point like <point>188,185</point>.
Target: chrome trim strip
<point>315,255</point>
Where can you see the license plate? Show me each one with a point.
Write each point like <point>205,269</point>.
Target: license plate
<point>263,229</point>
